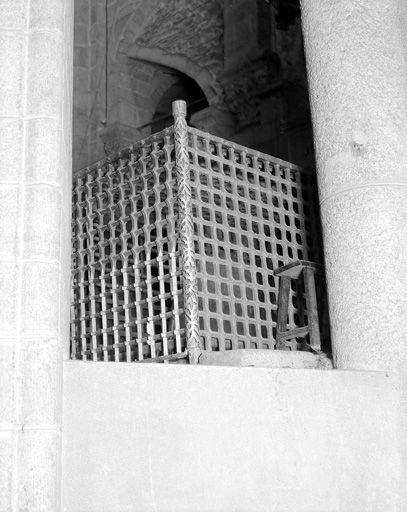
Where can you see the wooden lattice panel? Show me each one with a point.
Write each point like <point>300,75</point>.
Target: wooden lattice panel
<point>175,241</point>
<point>127,299</point>
<point>253,213</point>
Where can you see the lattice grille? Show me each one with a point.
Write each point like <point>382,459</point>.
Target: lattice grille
<point>127,298</point>
<point>136,294</point>
<point>253,213</point>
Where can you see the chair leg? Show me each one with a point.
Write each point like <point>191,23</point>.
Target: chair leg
<point>324,313</point>
<point>312,308</point>
<point>282,310</point>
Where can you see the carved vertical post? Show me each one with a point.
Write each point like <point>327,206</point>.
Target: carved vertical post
<point>186,231</point>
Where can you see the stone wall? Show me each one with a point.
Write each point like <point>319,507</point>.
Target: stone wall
<point>249,65</point>
<point>82,76</point>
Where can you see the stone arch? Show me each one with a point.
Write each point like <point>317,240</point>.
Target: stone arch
<point>138,59</point>
<point>181,87</point>
<point>135,28</point>
<point>202,76</point>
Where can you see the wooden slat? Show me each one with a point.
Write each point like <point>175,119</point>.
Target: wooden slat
<point>312,308</point>
<point>298,332</point>
<point>282,311</point>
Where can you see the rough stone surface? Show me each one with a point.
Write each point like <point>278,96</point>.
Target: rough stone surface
<point>358,87</point>
<point>365,256</point>
<point>210,439</point>
<point>177,26</point>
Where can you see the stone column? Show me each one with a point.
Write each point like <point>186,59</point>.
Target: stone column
<point>35,166</point>
<point>358,90</point>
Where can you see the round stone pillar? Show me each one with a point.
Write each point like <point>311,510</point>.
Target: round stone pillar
<point>358,90</point>
<point>35,202</point>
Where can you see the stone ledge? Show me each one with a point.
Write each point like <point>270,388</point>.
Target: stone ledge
<point>219,438</point>
<point>266,359</point>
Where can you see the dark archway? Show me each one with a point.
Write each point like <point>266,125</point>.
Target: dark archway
<point>185,88</point>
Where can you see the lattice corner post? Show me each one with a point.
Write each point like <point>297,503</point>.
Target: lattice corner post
<point>186,232</point>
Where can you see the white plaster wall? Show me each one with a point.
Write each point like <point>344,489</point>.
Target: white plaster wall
<point>167,438</point>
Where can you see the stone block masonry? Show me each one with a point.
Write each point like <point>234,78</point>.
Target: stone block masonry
<point>35,176</point>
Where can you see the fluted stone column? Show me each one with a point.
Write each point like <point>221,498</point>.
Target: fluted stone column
<point>35,164</point>
<point>358,89</point>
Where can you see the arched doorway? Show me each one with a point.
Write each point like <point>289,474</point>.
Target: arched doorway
<point>184,88</point>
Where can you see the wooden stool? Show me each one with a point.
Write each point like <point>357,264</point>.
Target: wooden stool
<point>286,273</point>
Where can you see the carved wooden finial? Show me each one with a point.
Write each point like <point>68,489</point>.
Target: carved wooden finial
<point>179,108</point>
